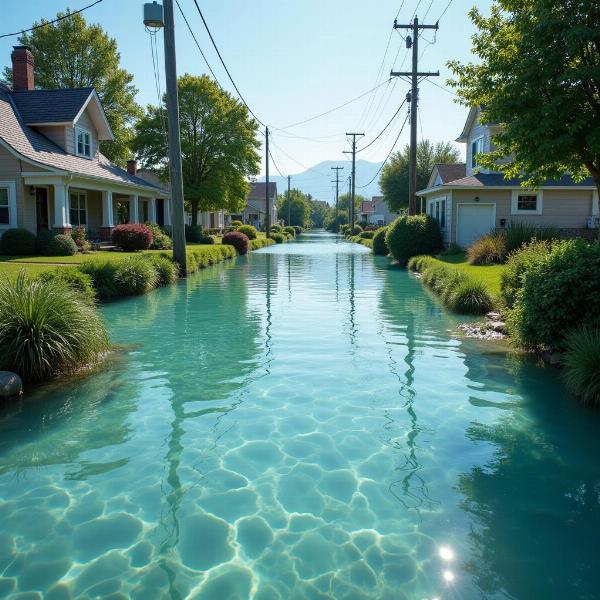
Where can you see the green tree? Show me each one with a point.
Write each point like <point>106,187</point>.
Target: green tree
<point>73,54</point>
<point>538,74</point>
<point>319,212</point>
<point>218,145</point>
<point>300,208</point>
<point>344,203</point>
<point>394,175</point>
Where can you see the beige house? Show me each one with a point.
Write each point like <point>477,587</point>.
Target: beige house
<point>52,175</point>
<point>469,201</point>
<point>254,213</point>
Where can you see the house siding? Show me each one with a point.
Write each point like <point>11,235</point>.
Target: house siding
<point>86,122</point>
<point>56,134</point>
<point>478,131</point>
<point>10,170</point>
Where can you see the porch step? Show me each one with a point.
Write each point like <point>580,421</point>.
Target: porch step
<point>105,246</point>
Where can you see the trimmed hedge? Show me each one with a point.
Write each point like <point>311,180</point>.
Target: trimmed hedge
<point>367,235</point>
<point>410,236</point>
<point>61,245</point>
<point>235,223</point>
<point>131,237</point>
<point>379,244</point>
<point>17,241</point>
<point>43,239</point>
<point>207,256</point>
<point>278,238</point>
<point>238,240</point>
<point>261,243</point>
<point>249,231</point>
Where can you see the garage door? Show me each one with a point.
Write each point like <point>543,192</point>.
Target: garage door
<point>473,221</point>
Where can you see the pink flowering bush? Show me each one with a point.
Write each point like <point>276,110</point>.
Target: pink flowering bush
<point>132,236</point>
<point>238,240</point>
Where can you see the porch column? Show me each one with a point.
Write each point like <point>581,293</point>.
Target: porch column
<point>167,211</point>
<point>61,208</point>
<point>134,216</point>
<point>108,221</point>
<point>595,204</point>
<point>152,210</point>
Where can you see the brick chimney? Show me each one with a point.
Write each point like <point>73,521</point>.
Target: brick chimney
<point>132,167</point>
<point>22,67</point>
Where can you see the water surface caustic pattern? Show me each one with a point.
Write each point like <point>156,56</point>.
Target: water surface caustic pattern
<point>299,424</point>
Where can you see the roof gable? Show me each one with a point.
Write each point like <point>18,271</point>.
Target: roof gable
<point>258,189</point>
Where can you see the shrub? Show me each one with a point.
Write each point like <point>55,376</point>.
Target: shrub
<point>74,278</point>
<point>366,235</point>
<point>452,250</point>
<point>420,263</point>
<point>166,270</point>
<point>559,291</point>
<point>235,223</point>
<point>206,239</point>
<point>276,228</point>
<point>379,246</point>
<point>198,259</point>
<point>581,364</point>
<point>465,295</point>
<point>193,233</point>
<point>411,235</point>
<point>249,231</point>
<point>518,262</point>
<point>42,241</point>
<point>18,242</point>
<point>131,237</point>
<point>344,228</point>
<point>238,240</point>
<point>61,245</point>
<point>160,240</point>
<point>261,243</point>
<point>519,234</point>
<point>289,229</point>
<point>488,250</point>
<point>79,235</point>
<point>135,275</point>
<point>297,229</point>
<point>354,230</point>
<point>47,328</point>
<point>278,237</point>
<point>102,273</point>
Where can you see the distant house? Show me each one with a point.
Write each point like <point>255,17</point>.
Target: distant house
<point>254,213</point>
<point>376,212</point>
<point>469,201</point>
<point>52,174</point>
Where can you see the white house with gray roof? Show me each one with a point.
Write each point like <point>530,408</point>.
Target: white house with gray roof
<point>52,174</point>
<point>469,201</point>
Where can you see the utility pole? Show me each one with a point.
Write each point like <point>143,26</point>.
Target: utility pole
<point>352,192</point>
<point>289,204</point>
<point>178,224</point>
<point>267,197</point>
<point>414,75</point>
<point>337,187</point>
<point>349,196</point>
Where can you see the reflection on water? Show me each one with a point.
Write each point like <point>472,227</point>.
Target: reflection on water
<point>299,423</point>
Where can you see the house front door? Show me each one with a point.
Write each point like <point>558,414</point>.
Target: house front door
<point>160,211</point>
<point>41,208</point>
<point>212,221</point>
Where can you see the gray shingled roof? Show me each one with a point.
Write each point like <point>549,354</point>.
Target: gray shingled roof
<point>50,106</point>
<point>257,189</point>
<point>38,148</point>
<point>450,172</point>
<point>497,180</point>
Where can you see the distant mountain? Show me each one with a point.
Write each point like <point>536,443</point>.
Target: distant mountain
<point>317,180</point>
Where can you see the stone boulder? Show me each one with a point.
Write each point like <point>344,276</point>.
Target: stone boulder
<point>11,385</point>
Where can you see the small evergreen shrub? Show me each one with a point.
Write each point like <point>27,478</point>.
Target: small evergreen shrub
<point>297,229</point>
<point>102,274</point>
<point>278,237</point>
<point>135,275</point>
<point>379,245</point>
<point>167,271</point>
<point>412,235</point>
<point>366,235</point>
<point>581,364</point>
<point>511,278</point>
<point>19,242</point>
<point>238,240</point>
<point>74,278</point>
<point>290,230</point>
<point>43,239</point>
<point>61,245</point>
<point>47,328</point>
<point>131,237</point>
<point>235,223</point>
<point>160,240</point>
<point>249,231</point>
<point>276,228</point>
<point>488,250</point>
<point>206,240</point>
<point>193,234</point>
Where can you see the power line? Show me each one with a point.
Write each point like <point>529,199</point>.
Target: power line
<point>66,16</point>
<point>197,44</point>
<point>223,62</point>
<point>383,130</point>
<point>298,162</point>
<point>387,157</point>
<point>428,9</point>
<point>441,87</point>
<point>275,165</point>
<point>445,10</point>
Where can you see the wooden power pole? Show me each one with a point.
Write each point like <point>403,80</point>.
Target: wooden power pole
<point>289,203</point>
<point>414,75</point>
<point>353,188</point>
<point>178,224</point>
<point>267,197</point>
<point>337,187</point>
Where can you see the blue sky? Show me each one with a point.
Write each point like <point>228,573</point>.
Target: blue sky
<point>292,60</point>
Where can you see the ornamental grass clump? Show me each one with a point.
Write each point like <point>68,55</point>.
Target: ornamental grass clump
<point>131,237</point>
<point>238,240</point>
<point>167,271</point>
<point>581,364</point>
<point>47,328</point>
<point>135,275</point>
<point>249,230</point>
<point>379,245</point>
<point>102,274</point>
<point>488,250</point>
<point>519,234</point>
<point>74,278</point>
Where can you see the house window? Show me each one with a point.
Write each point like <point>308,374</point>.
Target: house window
<point>84,142</point>
<point>4,208</point>
<point>476,148</point>
<point>77,209</point>
<point>442,219</point>
<point>527,202</point>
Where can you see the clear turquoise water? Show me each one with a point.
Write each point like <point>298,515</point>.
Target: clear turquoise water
<point>300,423</point>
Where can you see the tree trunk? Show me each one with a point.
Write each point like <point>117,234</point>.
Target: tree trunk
<point>194,207</point>
<point>595,173</point>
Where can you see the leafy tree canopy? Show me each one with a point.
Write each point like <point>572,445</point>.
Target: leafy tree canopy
<point>319,212</point>
<point>538,75</point>
<point>344,202</point>
<point>219,146</point>
<point>73,54</point>
<point>300,208</point>
<point>394,175</point>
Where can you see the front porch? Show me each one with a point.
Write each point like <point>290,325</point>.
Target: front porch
<point>53,203</point>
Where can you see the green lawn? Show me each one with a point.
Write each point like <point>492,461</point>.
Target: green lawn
<point>490,275</point>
